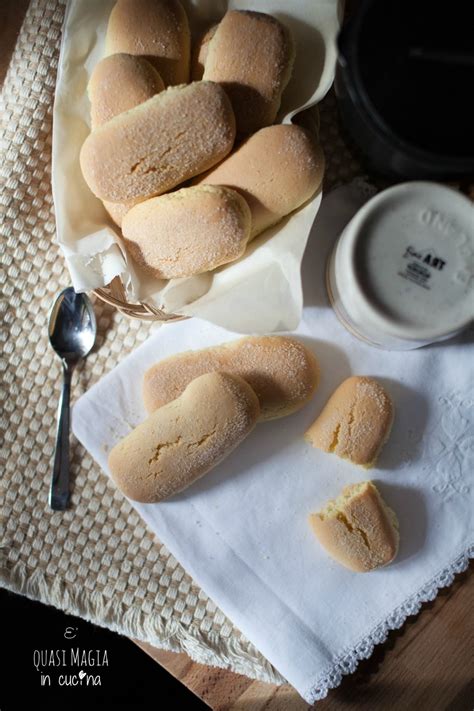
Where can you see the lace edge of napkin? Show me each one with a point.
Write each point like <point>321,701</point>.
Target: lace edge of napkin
<point>203,647</point>
<point>348,662</point>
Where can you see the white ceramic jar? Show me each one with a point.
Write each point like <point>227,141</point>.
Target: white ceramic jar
<point>402,272</point>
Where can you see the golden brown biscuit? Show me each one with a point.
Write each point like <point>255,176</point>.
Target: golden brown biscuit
<point>281,370</point>
<point>189,231</point>
<point>199,53</point>
<point>155,29</point>
<point>185,439</point>
<point>358,529</point>
<point>118,210</point>
<point>159,144</point>
<point>355,422</point>
<point>251,55</point>
<point>118,83</point>
<point>276,170</point>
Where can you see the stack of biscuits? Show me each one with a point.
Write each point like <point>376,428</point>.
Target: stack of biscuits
<point>202,404</point>
<point>191,172</point>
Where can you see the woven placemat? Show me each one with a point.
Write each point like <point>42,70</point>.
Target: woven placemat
<point>97,560</point>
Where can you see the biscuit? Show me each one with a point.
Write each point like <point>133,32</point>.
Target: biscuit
<point>159,144</point>
<point>119,83</point>
<point>251,55</point>
<point>155,29</point>
<point>281,370</point>
<point>199,53</point>
<point>185,439</point>
<point>276,170</point>
<point>189,231</point>
<point>358,529</point>
<point>355,422</point>
<point>118,210</point>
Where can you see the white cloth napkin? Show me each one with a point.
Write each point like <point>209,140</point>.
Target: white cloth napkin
<point>242,530</point>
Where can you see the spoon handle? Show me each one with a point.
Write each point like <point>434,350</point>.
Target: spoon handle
<point>59,492</point>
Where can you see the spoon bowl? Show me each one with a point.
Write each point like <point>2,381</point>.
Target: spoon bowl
<point>72,326</point>
<point>72,331</point>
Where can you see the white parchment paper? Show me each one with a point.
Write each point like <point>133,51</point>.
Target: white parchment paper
<point>260,292</point>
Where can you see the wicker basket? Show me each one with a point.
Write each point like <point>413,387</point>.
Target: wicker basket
<point>114,294</point>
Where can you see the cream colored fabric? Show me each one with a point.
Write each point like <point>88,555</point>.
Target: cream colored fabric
<point>97,560</point>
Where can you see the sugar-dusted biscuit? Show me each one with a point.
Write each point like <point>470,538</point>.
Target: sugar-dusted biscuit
<point>355,422</point>
<point>155,29</point>
<point>358,529</point>
<point>251,55</point>
<point>280,369</point>
<point>159,144</point>
<point>188,231</point>
<point>185,439</point>
<point>276,170</point>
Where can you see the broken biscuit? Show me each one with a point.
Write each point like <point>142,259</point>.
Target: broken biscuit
<point>358,529</point>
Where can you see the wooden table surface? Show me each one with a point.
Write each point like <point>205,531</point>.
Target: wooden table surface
<point>426,665</point>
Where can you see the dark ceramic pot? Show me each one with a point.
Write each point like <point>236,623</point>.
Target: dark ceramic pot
<point>404,84</point>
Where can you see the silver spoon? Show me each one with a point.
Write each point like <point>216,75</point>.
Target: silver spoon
<point>72,330</point>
